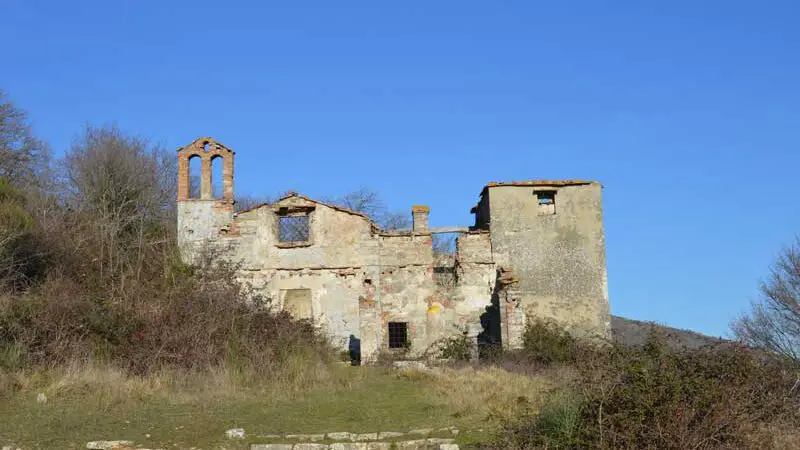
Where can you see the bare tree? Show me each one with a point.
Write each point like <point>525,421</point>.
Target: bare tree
<point>773,324</point>
<point>394,221</point>
<point>369,202</point>
<point>125,188</point>
<point>23,157</point>
<point>363,200</point>
<point>115,174</point>
<point>15,227</point>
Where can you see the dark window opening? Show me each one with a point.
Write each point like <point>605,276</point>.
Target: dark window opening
<point>293,229</point>
<point>547,202</point>
<point>546,197</point>
<point>398,335</point>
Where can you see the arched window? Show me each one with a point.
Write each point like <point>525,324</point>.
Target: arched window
<point>195,170</point>
<point>216,177</point>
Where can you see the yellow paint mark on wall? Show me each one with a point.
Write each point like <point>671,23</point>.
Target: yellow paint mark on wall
<point>435,308</point>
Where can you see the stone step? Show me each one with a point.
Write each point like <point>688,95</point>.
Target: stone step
<point>418,444</point>
<point>422,433</point>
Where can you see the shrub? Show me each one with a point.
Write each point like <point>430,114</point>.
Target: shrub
<point>188,320</point>
<point>546,342</point>
<point>655,397</point>
<point>456,348</point>
<point>555,425</point>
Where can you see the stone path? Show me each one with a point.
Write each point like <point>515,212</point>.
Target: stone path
<point>420,439</point>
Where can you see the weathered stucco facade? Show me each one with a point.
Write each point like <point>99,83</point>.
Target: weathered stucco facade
<point>536,249</point>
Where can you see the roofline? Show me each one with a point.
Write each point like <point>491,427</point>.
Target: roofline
<point>319,202</point>
<point>544,183</point>
<point>201,142</point>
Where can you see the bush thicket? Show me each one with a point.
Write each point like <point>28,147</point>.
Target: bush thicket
<point>721,396</point>
<point>90,269</point>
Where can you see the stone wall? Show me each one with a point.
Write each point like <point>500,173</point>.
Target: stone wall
<point>359,277</point>
<point>537,250</point>
<point>557,252</point>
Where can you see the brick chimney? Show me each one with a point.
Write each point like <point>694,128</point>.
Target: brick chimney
<point>420,217</point>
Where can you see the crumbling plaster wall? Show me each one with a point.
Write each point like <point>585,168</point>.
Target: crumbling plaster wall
<point>205,226</point>
<point>407,289</point>
<point>558,258</point>
<point>360,278</point>
<point>476,273</point>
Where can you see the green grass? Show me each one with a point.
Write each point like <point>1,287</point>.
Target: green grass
<point>355,400</point>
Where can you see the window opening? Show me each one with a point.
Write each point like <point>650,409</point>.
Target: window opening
<point>444,259</point>
<point>216,177</point>
<point>293,229</point>
<point>398,334</point>
<point>547,202</point>
<point>195,168</point>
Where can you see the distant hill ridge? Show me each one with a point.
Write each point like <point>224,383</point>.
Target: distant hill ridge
<point>630,332</point>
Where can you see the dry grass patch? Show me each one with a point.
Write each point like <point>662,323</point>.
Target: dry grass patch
<point>109,385</point>
<point>486,393</point>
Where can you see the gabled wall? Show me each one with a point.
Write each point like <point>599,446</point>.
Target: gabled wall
<point>359,277</point>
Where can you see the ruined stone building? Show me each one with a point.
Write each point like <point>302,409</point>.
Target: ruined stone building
<point>536,249</point>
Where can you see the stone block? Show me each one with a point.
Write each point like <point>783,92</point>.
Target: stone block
<point>417,444</point>
<point>271,447</point>
<point>348,446</point>
<point>340,436</point>
<point>235,433</point>
<point>307,446</point>
<point>379,446</point>
<point>389,435</point>
<point>422,431</point>
<point>299,437</point>
<point>108,445</point>
<point>366,437</point>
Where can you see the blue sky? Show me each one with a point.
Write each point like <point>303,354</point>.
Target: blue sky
<point>688,112</point>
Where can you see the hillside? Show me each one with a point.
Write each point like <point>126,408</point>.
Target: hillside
<point>632,332</point>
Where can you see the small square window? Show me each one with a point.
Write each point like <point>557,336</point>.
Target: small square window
<point>546,197</point>
<point>398,334</point>
<point>547,202</point>
<point>293,229</point>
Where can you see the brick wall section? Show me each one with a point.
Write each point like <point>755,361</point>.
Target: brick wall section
<point>419,214</point>
<point>207,149</point>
